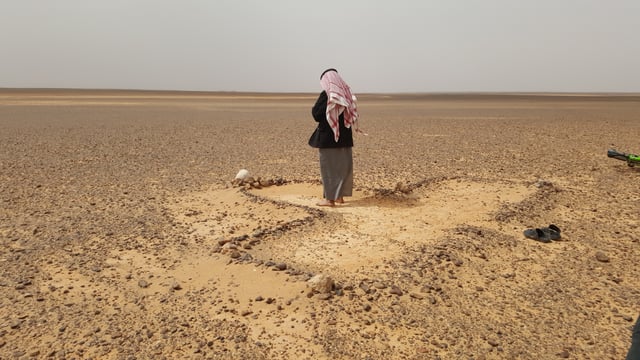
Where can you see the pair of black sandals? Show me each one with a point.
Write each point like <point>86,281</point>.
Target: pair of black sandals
<point>546,234</point>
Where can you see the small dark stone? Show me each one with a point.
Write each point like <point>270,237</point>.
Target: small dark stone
<point>364,287</point>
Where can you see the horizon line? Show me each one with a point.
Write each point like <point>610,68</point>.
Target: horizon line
<point>528,93</point>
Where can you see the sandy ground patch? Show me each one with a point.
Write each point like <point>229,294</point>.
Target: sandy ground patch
<point>372,228</point>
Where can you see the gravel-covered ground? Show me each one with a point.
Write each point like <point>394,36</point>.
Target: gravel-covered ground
<point>123,236</point>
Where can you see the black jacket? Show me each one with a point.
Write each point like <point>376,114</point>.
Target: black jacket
<point>323,137</point>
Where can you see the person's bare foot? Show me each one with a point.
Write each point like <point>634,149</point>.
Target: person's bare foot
<point>326,202</point>
<point>339,201</point>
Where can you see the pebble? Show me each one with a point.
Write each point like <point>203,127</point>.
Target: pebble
<point>395,290</point>
<point>175,285</point>
<point>280,267</point>
<point>602,257</point>
<point>229,246</point>
<point>143,284</point>
<point>364,287</point>
<point>564,354</point>
<point>321,283</point>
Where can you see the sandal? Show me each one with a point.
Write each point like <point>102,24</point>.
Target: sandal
<point>537,234</point>
<point>552,231</point>
<point>544,235</point>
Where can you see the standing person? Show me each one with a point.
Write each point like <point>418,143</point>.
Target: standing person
<point>336,113</point>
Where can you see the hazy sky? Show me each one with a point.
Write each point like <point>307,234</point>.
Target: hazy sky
<point>284,45</point>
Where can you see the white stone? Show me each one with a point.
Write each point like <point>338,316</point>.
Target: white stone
<point>242,174</point>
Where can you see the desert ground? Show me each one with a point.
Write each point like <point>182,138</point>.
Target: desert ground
<point>124,235</point>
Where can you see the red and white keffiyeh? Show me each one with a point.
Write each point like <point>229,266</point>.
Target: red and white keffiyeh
<point>339,100</point>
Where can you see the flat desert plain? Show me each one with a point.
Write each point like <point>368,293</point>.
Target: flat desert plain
<point>124,236</point>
